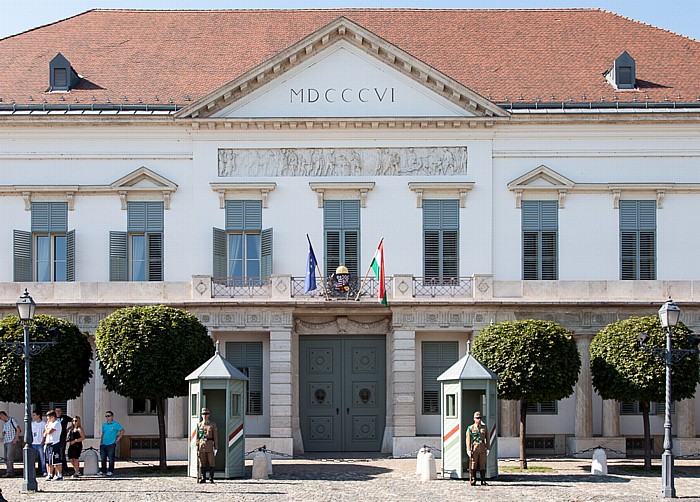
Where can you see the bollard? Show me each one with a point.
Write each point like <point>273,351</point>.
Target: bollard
<point>599,465</point>
<point>419,459</point>
<point>260,465</point>
<point>269,463</point>
<point>428,470</point>
<point>90,462</point>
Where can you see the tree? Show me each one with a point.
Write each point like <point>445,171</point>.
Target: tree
<point>58,373</point>
<point>146,353</point>
<point>535,361</point>
<point>622,371</point>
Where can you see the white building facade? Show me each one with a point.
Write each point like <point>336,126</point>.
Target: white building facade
<point>489,210</point>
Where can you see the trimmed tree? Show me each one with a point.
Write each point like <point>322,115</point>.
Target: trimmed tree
<point>146,353</point>
<point>535,361</point>
<point>623,371</point>
<point>58,373</point>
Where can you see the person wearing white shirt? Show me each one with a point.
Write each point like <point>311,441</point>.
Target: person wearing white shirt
<point>38,426</point>
<point>52,433</point>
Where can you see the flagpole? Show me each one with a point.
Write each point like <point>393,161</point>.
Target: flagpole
<point>368,269</point>
<point>323,282</point>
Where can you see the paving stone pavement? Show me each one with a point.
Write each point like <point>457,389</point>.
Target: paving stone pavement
<point>374,480</point>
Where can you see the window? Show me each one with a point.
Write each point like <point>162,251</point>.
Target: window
<point>47,253</point>
<point>46,407</point>
<point>637,240</point>
<point>543,408</point>
<point>440,240</point>
<point>451,405</point>
<point>60,77</point>
<point>142,407</point>
<point>436,358</point>
<point>247,357</point>
<point>341,226</point>
<point>194,411</point>
<point>236,405</point>
<point>635,408</point>
<point>539,226</point>
<point>137,254</point>
<point>243,252</point>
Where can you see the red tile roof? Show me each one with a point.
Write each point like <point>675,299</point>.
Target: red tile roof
<point>520,55</point>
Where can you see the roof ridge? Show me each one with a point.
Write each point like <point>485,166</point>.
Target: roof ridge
<point>648,24</point>
<point>358,9</point>
<point>47,24</point>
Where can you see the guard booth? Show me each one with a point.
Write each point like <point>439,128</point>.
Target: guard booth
<point>221,387</point>
<point>467,386</point>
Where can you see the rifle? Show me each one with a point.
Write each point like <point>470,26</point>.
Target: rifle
<point>200,435</point>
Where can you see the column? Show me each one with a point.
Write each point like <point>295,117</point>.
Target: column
<point>175,426</point>
<point>584,391</point>
<point>103,400</point>
<point>75,407</point>
<point>685,418</point>
<point>509,425</point>
<point>403,370</point>
<point>281,384</point>
<point>611,418</point>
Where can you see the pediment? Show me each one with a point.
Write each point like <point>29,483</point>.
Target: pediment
<point>541,177</point>
<point>143,179</point>
<point>342,70</point>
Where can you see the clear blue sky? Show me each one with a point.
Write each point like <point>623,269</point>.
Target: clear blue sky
<point>680,16</point>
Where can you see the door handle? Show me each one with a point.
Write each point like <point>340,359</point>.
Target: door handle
<point>347,411</point>
<point>337,411</point>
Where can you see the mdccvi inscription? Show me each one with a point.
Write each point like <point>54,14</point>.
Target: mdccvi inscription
<point>440,161</point>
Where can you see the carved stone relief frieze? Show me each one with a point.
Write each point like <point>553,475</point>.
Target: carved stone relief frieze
<point>436,161</point>
<point>342,325</point>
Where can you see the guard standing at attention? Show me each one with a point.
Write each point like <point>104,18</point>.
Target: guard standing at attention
<point>207,445</point>
<point>477,448</point>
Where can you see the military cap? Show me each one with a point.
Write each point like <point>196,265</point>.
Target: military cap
<point>477,414</point>
<point>205,410</point>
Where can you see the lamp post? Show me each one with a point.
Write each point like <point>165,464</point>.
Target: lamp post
<point>25,310</point>
<point>669,313</point>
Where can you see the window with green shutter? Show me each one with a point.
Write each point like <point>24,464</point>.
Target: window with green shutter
<point>47,253</point>
<point>243,251</point>
<point>247,358</point>
<point>440,240</point>
<point>542,408</point>
<point>436,357</point>
<point>137,254</point>
<point>637,240</point>
<point>341,226</point>
<point>540,229</point>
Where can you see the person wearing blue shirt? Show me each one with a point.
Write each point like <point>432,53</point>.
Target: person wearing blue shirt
<point>111,433</point>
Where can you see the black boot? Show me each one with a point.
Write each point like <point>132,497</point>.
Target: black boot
<point>483,478</point>
<point>473,471</point>
<point>203,479</point>
<point>211,475</point>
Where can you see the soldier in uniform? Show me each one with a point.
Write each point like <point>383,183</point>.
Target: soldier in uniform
<point>207,445</point>
<point>477,448</point>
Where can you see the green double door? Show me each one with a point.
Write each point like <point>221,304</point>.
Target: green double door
<point>342,393</point>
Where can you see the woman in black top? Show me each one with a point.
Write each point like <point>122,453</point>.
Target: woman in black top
<point>75,445</point>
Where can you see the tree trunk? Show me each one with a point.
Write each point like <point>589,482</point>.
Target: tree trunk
<point>647,435</point>
<point>523,422</point>
<point>160,409</point>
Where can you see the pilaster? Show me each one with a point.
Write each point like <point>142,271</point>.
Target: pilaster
<point>584,391</point>
<point>611,418</point>
<point>403,391</point>
<point>281,384</point>
<point>176,417</point>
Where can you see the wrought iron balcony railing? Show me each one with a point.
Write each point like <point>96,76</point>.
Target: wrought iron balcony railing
<point>438,287</point>
<point>249,287</point>
<point>343,290</point>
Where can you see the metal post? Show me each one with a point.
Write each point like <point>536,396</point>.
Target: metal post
<point>29,476</point>
<point>668,490</point>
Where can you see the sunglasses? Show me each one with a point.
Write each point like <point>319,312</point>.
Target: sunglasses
<point>108,416</point>
<point>205,413</point>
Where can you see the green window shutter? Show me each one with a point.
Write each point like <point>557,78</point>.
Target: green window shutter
<point>637,239</point>
<point>450,214</point>
<point>70,256</point>
<point>450,254</point>
<point>154,217</point>
<point>441,239</point>
<point>155,256</point>
<point>136,216</point>
<point>219,249</point>
<point>332,214</point>
<point>40,217</point>
<point>539,239</point>
<point>22,253</point>
<point>266,254</point>
<point>351,248</point>
<point>341,220</point>
<point>351,214</point>
<point>431,254</point>
<point>58,217</point>
<point>247,357</point>
<point>252,215</point>
<point>332,249</point>
<point>436,358</point>
<point>118,270</point>
<point>234,215</point>
<point>431,215</point>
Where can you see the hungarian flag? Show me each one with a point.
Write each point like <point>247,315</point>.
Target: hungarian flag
<point>377,267</point>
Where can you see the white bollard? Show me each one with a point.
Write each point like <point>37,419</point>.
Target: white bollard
<point>599,465</point>
<point>269,463</point>
<point>419,459</point>
<point>428,470</point>
<point>89,463</point>
<point>260,469</point>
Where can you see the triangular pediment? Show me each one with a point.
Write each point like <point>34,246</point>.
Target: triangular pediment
<point>541,177</point>
<point>143,179</point>
<point>342,70</point>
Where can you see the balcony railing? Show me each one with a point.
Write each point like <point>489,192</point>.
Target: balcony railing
<point>437,287</point>
<point>249,287</point>
<point>344,291</point>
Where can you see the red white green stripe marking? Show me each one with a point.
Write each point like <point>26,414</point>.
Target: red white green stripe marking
<point>235,436</point>
<point>377,267</point>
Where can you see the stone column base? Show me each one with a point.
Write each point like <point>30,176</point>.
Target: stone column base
<point>576,444</point>
<point>686,446</point>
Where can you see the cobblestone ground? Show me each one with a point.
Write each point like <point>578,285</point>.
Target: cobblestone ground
<point>376,480</point>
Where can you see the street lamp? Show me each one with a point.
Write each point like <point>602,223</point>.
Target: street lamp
<point>25,310</point>
<point>669,313</point>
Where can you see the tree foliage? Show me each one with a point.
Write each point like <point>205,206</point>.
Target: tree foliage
<point>535,360</point>
<point>58,373</point>
<point>621,370</point>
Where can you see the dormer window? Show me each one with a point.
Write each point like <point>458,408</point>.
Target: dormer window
<point>622,74</point>
<point>62,77</point>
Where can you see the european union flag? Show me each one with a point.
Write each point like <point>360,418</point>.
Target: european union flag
<point>311,264</point>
